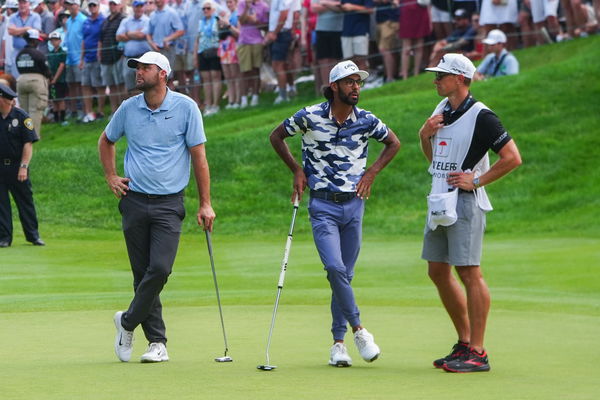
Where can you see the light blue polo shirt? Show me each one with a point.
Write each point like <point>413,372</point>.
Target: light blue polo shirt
<point>164,23</point>
<point>135,48</point>
<point>157,159</point>
<point>74,38</point>
<point>33,20</point>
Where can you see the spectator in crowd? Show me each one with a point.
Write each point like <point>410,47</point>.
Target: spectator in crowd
<point>387,15</point>
<point>55,7</point>
<point>328,46</point>
<point>164,28</point>
<point>461,40</point>
<point>415,26</point>
<point>499,61</point>
<point>57,57</point>
<point>18,24</point>
<point>355,33</point>
<point>194,14</point>
<point>441,18</point>
<point>478,52</point>
<point>91,79</point>
<point>74,40</point>
<point>279,37</point>
<point>501,14</point>
<point>294,57</point>
<point>32,83</point>
<point>133,31</point>
<point>48,23</point>
<point>6,47</point>
<point>528,35</point>
<point>183,65</point>
<point>150,7</point>
<point>308,23</point>
<point>228,34</point>
<point>253,15</point>
<point>111,60</point>
<point>544,14</point>
<point>61,24</point>
<point>579,18</point>
<point>207,60</point>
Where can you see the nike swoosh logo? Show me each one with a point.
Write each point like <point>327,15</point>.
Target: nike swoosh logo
<point>120,340</point>
<point>169,117</point>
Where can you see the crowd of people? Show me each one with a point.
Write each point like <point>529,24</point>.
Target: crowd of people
<point>236,48</point>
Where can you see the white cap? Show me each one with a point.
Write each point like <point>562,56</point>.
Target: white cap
<point>114,1</point>
<point>344,69</point>
<point>33,34</point>
<point>34,3</point>
<point>151,57</point>
<point>11,4</point>
<point>54,35</point>
<point>96,2</point>
<point>456,64</point>
<point>494,37</point>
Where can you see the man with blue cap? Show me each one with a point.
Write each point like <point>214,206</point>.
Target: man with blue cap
<point>16,137</point>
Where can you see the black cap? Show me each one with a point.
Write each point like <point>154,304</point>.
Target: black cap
<point>7,92</point>
<point>461,13</point>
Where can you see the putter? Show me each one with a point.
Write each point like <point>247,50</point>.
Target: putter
<point>286,253</point>
<point>225,357</point>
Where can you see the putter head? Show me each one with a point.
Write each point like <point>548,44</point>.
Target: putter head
<point>224,359</point>
<point>266,367</point>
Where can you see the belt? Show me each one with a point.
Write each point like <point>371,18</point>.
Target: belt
<point>336,197</point>
<point>155,196</point>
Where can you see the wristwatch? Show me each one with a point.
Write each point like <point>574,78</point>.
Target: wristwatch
<point>476,183</point>
<point>23,165</point>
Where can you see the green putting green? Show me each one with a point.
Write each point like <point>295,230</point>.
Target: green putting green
<point>57,304</point>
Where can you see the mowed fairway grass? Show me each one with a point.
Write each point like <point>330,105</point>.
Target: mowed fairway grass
<point>542,337</point>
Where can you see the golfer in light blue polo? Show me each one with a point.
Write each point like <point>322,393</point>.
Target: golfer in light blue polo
<point>335,135</point>
<point>164,135</point>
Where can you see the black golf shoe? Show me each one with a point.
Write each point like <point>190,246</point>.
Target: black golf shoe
<point>460,349</point>
<point>472,362</point>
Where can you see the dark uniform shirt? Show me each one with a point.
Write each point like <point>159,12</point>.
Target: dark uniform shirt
<point>15,130</point>
<point>32,61</point>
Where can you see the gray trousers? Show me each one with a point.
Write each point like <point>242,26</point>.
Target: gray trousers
<point>151,226</point>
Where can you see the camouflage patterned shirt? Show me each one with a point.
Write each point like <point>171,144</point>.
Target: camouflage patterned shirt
<point>334,156</point>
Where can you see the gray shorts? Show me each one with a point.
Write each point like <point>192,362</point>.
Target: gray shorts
<point>112,74</point>
<point>73,74</point>
<point>129,78</point>
<point>91,75</point>
<point>460,243</point>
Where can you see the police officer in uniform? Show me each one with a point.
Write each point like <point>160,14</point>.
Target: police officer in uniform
<point>32,84</point>
<point>16,138</point>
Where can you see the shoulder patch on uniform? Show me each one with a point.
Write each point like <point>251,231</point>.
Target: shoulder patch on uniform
<point>28,123</point>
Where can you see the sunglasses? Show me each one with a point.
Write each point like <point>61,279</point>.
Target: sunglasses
<point>440,75</point>
<point>350,82</point>
<point>206,8</point>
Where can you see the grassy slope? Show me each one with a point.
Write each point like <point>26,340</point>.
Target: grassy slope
<point>551,109</point>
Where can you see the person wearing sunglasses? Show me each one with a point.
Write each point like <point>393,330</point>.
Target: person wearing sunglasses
<point>455,140</point>
<point>334,152</point>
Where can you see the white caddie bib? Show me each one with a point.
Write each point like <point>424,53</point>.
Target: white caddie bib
<point>450,146</point>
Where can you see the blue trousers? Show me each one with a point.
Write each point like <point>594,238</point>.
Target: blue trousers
<point>337,231</point>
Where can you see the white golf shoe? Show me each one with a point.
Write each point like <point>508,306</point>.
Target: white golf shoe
<point>123,339</point>
<point>365,343</point>
<point>339,356</point>
<point>157,352</point>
